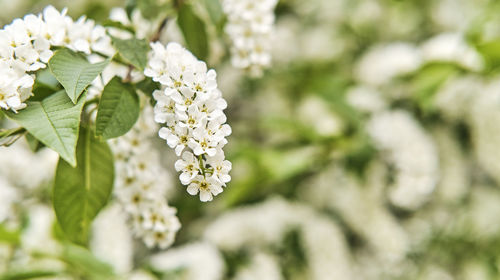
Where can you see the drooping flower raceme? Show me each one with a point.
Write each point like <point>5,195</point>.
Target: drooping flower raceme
<point>141,184</point>
<point>25,47</point>
<point>191,108</point>
<point>250,26</point>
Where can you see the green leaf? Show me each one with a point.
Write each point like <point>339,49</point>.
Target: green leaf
<point>427,81</point>
<point>80,193</point>
<point>194,32</point>
<point>46,78</point>
<point>9,136</point>
<point>74,72</point>
<point>133,51</point>
<point>54,121</point>
<point>33,143</point>
<point>147,86</point>
<point>117,24</point>
<point>214,10</point>
<point>8,236</point>
<point>118,109</point>
<point>491,53</point>
<point>81,259</point>
<point>150,9</point>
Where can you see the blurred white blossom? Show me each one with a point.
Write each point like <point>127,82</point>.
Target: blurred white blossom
<point>250,28</point>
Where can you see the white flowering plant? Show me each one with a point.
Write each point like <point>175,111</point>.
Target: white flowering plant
<point>320,139</point>
<point>94,93</point>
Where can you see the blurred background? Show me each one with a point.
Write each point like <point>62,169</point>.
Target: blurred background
<point>369,150</point>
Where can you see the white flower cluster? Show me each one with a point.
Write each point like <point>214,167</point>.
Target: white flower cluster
<point>25,47</point>
<point>413,154</point>
<point>197,261</point>
<point>191,107</point>
<point>250,26</point>
<point>141,185</point>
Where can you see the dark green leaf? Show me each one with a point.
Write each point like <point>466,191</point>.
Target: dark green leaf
<point>80,193</point>
<point>194,32</point>
<point>118,109</point>
<point>74,72</point>
<point>147,86</point>
<point>54,121</point>
<point>133,51</point>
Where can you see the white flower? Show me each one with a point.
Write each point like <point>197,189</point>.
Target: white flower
<point>177,139</point>
<point>202,142</point>
<point>189,166</point>
<point>141,184</point>
<point>381,63</point>
<point>191,107</point>
<point>207,187</point>
<point>221,167</point>
<point>25,47</point>
<point>164,111</point>
<point>159,238</point>
<point>158,218</point>
<point>250,26</point>
<point>196,260</point>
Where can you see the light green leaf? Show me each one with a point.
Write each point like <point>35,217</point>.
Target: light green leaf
<point>74,72</point>
<point>33,143</point>
<point>54,121</point>
<point>80,193</point>
<point>214,10</point>
<point>118,109</point>
<point>81,259</point>
<point>10,136</point>
<point>194,32</point>
<point>119,25</point>
<point>133,51</point>
<point>9,236</point>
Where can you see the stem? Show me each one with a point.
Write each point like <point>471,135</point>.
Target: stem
<point>157,34</point>
<point>115,58</point>
<point>92,101</point>
<point>200,161</point>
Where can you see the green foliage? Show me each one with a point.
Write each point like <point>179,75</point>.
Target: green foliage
<point>74,72</point>
<point>54,121</point>
<point>80,193</point>
<point>194,32</point>
<point>133,51</point>
<point>118,109</point>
